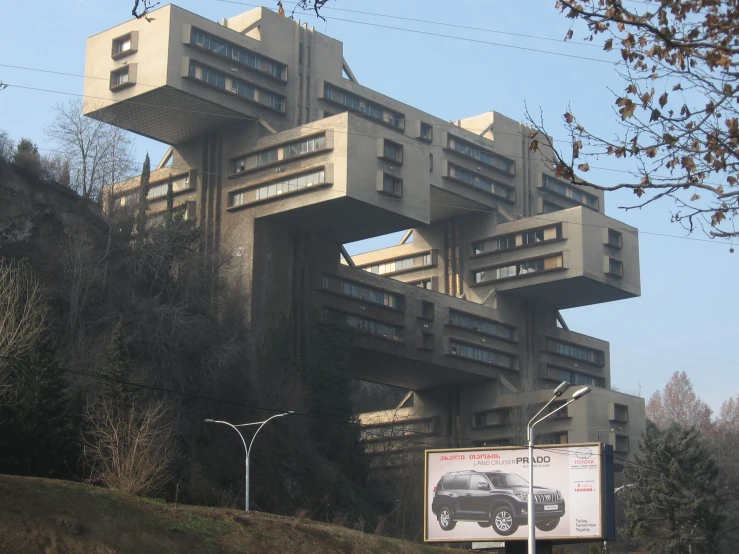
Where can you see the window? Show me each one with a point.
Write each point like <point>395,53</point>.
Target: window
<point>291,184</point>
<point>393,151</point>
<point>517,240</point>
<point>392,186</point>
<point>559,374</point>
<point>614,238</point>
<point>427,310</point>
<point>558,411</point>
<point>481,325</point>
<point>560,438</point>
<point>427,341</point>
<point>548,207</point>
<point>427,132</point>
<point>569,191</point>
<point>620,413</point>
<point>402,264</point>
<point>372,327</point>
<point>122,45</point>
<point>301,147</point>
<point>358,104</point>
<point>490,418</point>
<point>615,267</point>
<point>431,161</point>
<point>577,352</point>
<point>225,49</point>
<point>120,77</point>
<point>622,444</point>
<point>478,181</point>
<point>424,284</point>
<point>235,86</point>
<point>462,482</point>
<point>484,355</point>
<point>518,270</point>
<point>160,190</point>
<point>481,155</point>
<point>478,482</point>
<point>362,292</point>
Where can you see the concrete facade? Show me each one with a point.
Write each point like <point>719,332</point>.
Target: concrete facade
<point>281,159</point>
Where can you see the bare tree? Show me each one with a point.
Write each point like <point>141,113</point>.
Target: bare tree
<point>23,317</point>
<point>678,113</point>
<point>130,447</point>
<point>7,147</point>
<point>99,153</point>
<point>82,263</point>
<point>677,403</point>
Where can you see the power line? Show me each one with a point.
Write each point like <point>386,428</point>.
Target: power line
<point>429,22</point>
<point>441,35</point>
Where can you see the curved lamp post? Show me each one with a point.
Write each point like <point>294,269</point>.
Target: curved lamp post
<point>559,391</point>
<point>247,450</point>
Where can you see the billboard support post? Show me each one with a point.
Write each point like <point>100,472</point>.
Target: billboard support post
<point>530,432</point>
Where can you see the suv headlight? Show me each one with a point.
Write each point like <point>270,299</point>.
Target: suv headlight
<point>522,495</point>
<point>558,496</point>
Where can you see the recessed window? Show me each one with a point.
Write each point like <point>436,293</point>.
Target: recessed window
<point>622,444</point>
<point>401,264</point>
<point>560,438</point>
<point>427,310</point>
<point>516,240</point>
<point>481,325</point>
<point>573,351</point>
<point>482,155</point>
<point>560,374</point>
<point>620,413</point>
<point>520,269</point>
<point>392,151</point>
<point>427,341</point>
<point>303,147</point>
<point>361,105</point>
<point>614,238</point>
<point>362,292</point>
<point>484,355</point>
<point>615,267</point>
<point>476,180</point>
<point>431,161</point>
<point>424,284</point>
<point>125,45</point>
<point>491,418</point>
<point>392,186</point>
<point>567,190</point>
<point>427,132</point>
<point>121,78</point>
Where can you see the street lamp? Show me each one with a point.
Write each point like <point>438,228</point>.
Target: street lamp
<point>247,451</point>
<point>530,432</point>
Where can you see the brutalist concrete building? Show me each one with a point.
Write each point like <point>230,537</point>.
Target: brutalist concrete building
<point>282,156</point>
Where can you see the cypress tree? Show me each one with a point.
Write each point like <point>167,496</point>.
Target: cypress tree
<point>115,368</point>
<point>143,202</point>
<point>170,202</point>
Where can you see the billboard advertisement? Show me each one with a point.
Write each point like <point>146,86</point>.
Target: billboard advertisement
<point>481,494</point>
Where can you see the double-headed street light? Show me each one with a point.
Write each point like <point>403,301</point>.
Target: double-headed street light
<point>559,391</point>
<point>247,450</point>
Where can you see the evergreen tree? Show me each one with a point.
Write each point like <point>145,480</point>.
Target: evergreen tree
<point>335,427</point>
<point>170,202</point>
<point>27,156</point>
<point>673,505</point>
<point>115,368</point>
<point>39,431</point>
<point>143,202</point>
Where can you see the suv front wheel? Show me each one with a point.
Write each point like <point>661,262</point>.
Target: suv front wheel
<point>446,520</point>
<point>547,524</point>
<point>502,520</point>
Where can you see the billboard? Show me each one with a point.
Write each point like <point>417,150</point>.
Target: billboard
<point>481,494</point>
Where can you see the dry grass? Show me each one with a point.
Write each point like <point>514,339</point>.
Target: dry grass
<point>41,515</point>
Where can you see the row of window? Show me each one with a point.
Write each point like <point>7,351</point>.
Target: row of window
<point>397,430</point>
<point>359,104</point>
<point>478,181</point>
<point>519,269</point>
<point>505,416</point>
<point>235,86</point>
<point>479,354</point>
<point>482,155</point>
<point>399,265</point>
<point>372,327</point>
<point>579,352</point>
<point>363,292</point>
<point>157,191</point>
<point>279,153</point>
<point>516,240</point>
<point>236,53</point>
<point>480,324</point>
<point>574,377</point>
<point>291,184</point>
<point>565,189</point>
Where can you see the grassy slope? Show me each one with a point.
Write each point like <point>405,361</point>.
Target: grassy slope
<point>62,517</point>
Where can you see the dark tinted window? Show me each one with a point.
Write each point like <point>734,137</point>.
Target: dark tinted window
<point>476,480</point>
<point>447,482</point>
<point>462,482</point>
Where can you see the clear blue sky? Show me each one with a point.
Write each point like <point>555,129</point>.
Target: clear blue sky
<point>686,317</point>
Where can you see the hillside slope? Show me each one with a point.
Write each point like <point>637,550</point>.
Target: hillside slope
<point>62,517</point>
